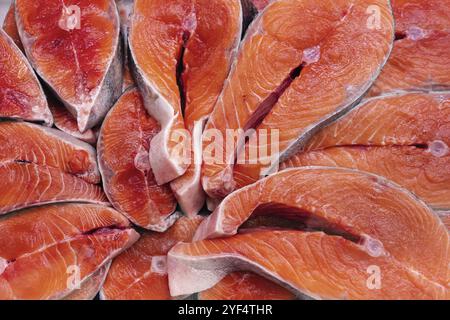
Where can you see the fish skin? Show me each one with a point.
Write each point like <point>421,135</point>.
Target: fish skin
<point>322,198</point>
<point>91,286</point>
<point>21,94</point>
<point>445,217</point>
<point>10,26</point>
<point>26,142</point>
<point>128,181</point>
<point>246,92</point>
<point>131,276</point>
<point>383,136</point>
<point>246,286</point>
<point>420,60</point>
<point>65,122</point>
<point>204,78</point>
<point>49,238</point>
<point>27,185</point>
<point>90,99</point>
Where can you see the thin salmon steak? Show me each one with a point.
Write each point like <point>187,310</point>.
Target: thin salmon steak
<point>123,155</point>
<point>57,248</point>
<point>182,52</point>
<point>349,235</point>
<point>65,122</point>
<point>83,36</point>
<point>404,137</point>
<point>90,287</point>
<point>246,286</point>
<point>10,26</point>
<point>203,76</point>
<point>420,59</point>
<point>25,185</point>
<point>296,71</point>
<point>140,273</point>
<point>26,142</point>
<point>21,94</point>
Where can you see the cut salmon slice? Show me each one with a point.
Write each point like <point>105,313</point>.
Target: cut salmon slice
<point>420,58</point>
<point>358,236</point>
<point>292,78</point>
<point>21,95</point>
<point>91,286</point>
<point>123,156</point>
<point>82,36</point>
<point>26,142</point>
<point>62,243</point>
<point>10,26</point>
<point>182,51</point>
<point>65,122</point>
<point>403,137</point>
<point>26,185</point>
<point>246,286</point>
<point>202,78</point>
<point>140,272</point>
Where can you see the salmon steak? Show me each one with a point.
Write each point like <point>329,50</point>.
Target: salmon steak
<point>140,273</point>
<point>182,52</point>
<point>123,155</point>
<point>403,137</point>
<point>29,143</point>
<point>21,95</point>
<point>82,36</point>
<point>202,80</point>
<point>292,78</point>
<point>420,59</point>
<point>64,243</point>
<point>341,242</point>
<point>246,286</point>
<point>10,26</point>
<point>26,185</point>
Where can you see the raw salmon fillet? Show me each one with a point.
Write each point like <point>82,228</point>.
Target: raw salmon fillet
<point>91,286</point>
<point>58,242</point>
<point>21,95</point>
<point>65,122</point>
<point>82,36</point>
<point>26,142</point>
<point>420,58</point>
<point>182,51</point>
<point>404,137</point>
<point>296,71</point>
<point>353,235</point>
<point>10,26</point>
<point>140,272</point>
<point>26,185</point>
<point>123,156</point>
<point>246,286</point>
<point>202,79</point>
